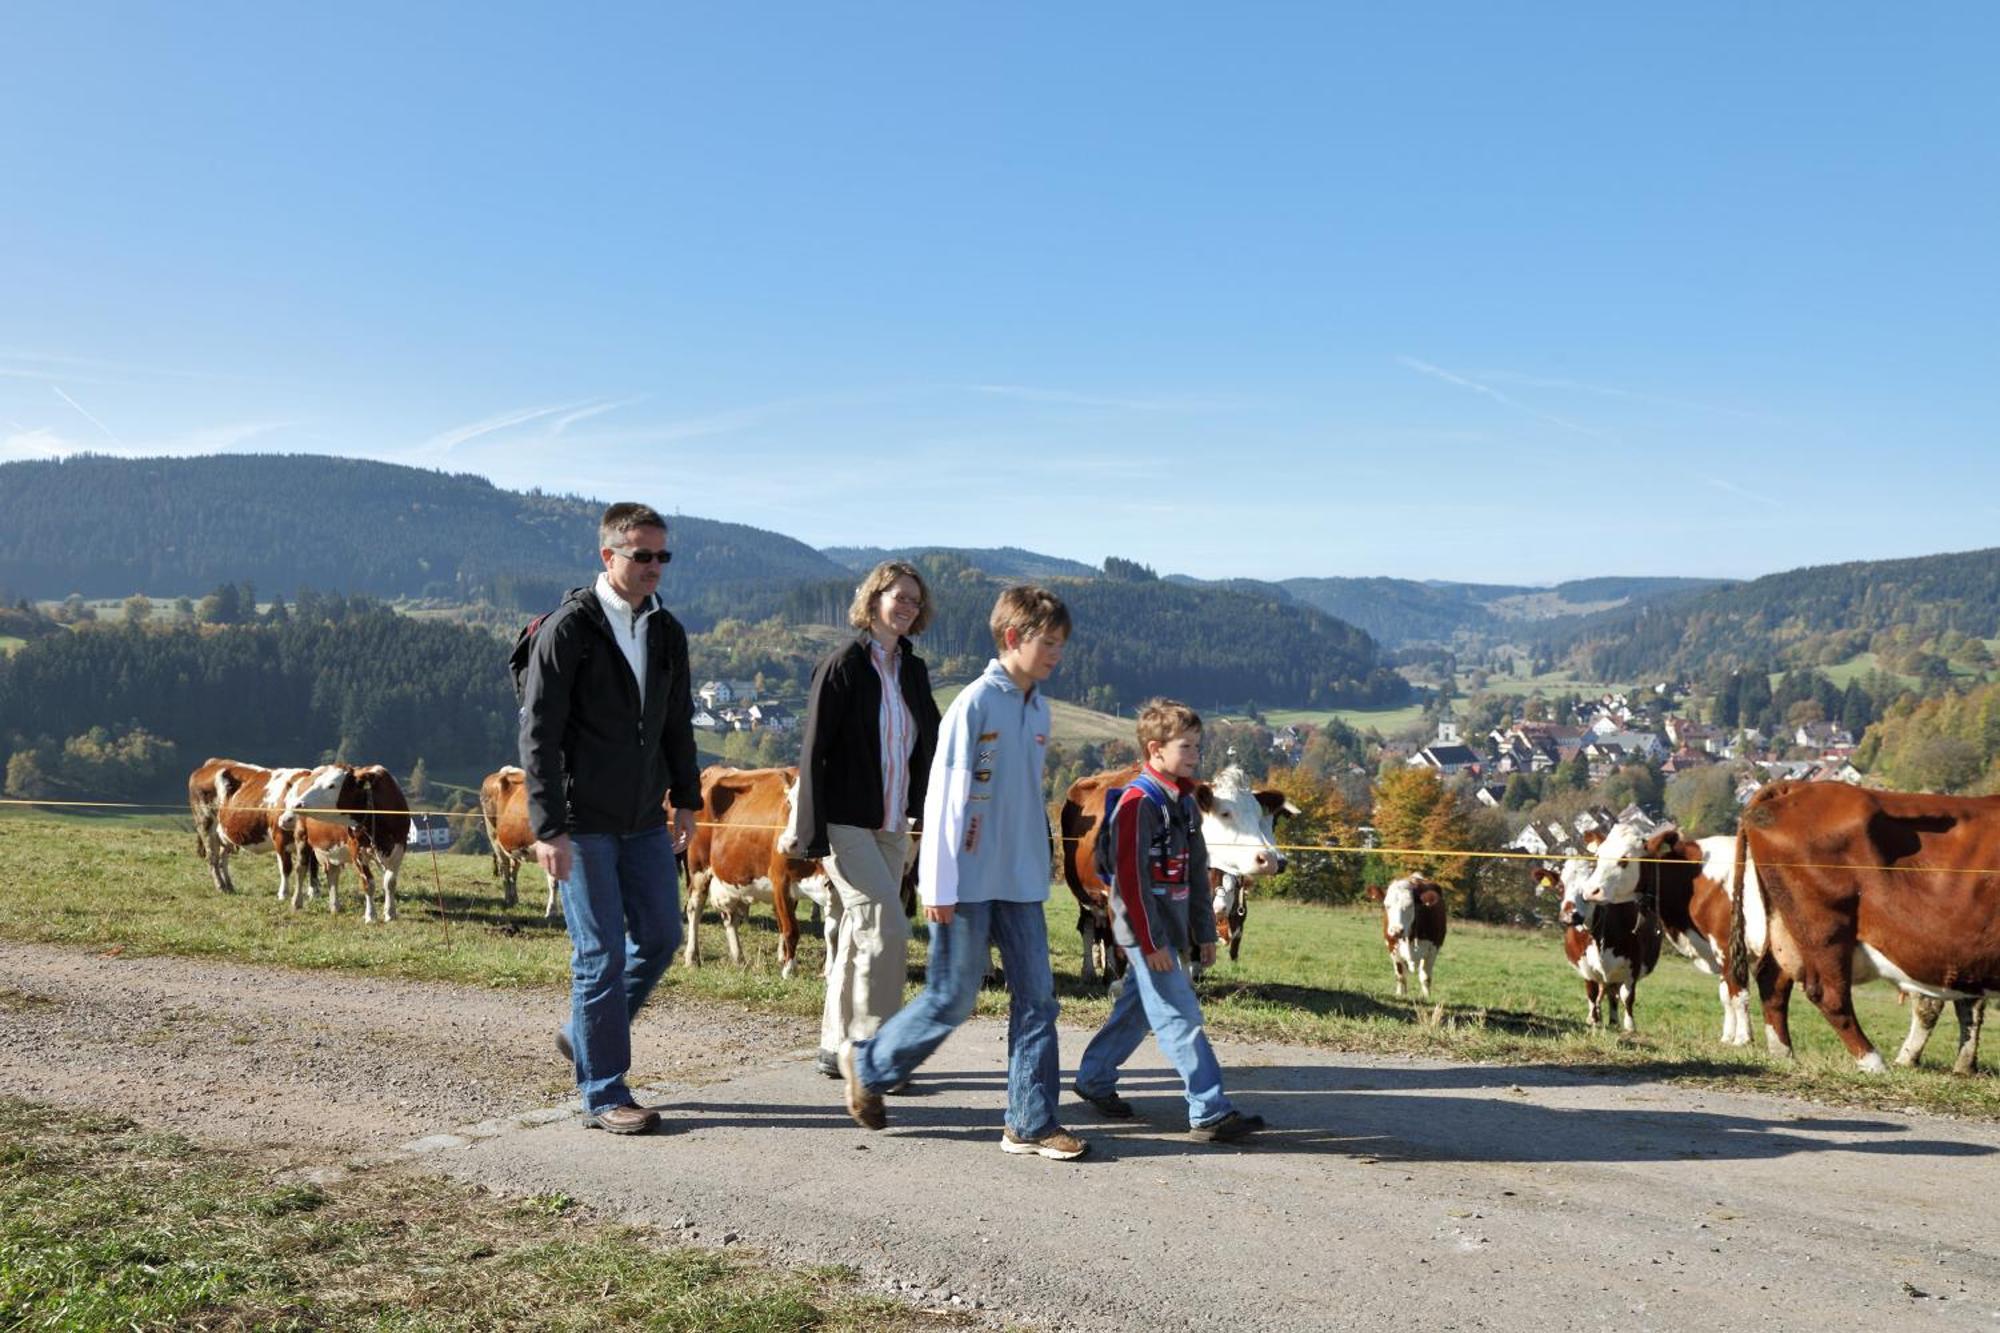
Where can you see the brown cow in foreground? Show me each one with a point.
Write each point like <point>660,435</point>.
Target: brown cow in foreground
<point>1854,884</point>
<point>237,806</point>
<point>735,857</point>
<point>1413,926</point>
<point>1236,825</point>
<point>503,808</point>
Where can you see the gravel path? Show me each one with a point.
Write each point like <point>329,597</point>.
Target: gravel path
<point>1389,1192</point>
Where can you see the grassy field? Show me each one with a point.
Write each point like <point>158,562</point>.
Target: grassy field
<point>1308,974</point>
<point>1388,721</point>
<point>8,643</point>
<point>1073,723</point>
<point>104,1225</point>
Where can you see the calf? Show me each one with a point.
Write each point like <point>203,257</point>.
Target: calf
<point>1413,926</point>
<point>503,807</point>
<point>363,813</point>
<point>1236,825</point>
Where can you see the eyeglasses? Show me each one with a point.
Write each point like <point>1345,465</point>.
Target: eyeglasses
<point>646,557</point>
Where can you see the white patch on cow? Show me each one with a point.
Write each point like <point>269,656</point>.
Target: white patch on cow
<point>1718,862</point>
<point>1610,968</point>
<point>1237,830</point>
<point>1871,1063</point>
<point>321,795</point>
<point>1772,1041</point>
<point>1871,963</point>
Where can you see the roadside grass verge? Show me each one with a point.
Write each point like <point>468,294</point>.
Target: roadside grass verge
<point>1312,975</point>
<point>106,1225</point>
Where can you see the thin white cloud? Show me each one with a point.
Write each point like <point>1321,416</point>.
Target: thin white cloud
<point>1731,488</point>
<point>1488,391</point>
<point>563,423</point>
<point>446,441</point>
<point>1610,391</point>
<point>85,414</point>
<point>1034,395</point>
<point>41,442</point>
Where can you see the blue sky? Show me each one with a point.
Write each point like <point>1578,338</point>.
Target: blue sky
<point>1484,292</point>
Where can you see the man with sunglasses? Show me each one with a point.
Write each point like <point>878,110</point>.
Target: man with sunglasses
<point>607,731</point>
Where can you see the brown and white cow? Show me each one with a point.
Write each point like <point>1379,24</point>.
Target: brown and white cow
<point>1236,825</point>
<point>1611,932</point>
<point>735,857</point>
<point>237,806</point>
<point>503,807</point>
<point>1855,884</point>
<point>363,814</point>
<point>1413,926</point>
<point>1688,880</point>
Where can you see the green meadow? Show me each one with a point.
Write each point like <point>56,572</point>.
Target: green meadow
<point>1308,974</point>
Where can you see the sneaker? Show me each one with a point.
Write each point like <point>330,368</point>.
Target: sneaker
<point>899,1090</point>
<point>1058,1145</point>
<point>1230,1128</point>
<point>626,1119</point>
<point>863,1105</point>
<point>562,1044</point>
<point>827,1063</point>
<point>1109,1103</point>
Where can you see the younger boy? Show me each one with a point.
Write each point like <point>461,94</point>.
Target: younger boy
<point>983,874</point>
<point>1159,862</point>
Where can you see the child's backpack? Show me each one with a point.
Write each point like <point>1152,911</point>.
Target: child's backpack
<point>1104,858</point>
<point>524,648</point>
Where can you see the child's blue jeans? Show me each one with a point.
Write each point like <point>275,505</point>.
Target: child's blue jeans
<point>1166,1003</point>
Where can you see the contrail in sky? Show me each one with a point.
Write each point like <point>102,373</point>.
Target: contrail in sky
<point>87,417</point>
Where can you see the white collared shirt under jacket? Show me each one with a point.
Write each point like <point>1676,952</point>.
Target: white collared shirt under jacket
<point>628,627</point>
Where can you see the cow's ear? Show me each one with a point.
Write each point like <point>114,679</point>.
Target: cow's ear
<point>1430,898</point>
<point>1665,841</point>
<point>1204,796</point>
<point>1373,893</point>
<point>1275,803</point>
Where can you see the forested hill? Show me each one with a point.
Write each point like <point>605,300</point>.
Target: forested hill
<point>1801,617</point>
<point>108,527</point>
<point>1007,562</point>
<point>1398,612</point>
<point>1137,636</point>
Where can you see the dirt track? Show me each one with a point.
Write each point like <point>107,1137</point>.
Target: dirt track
<point>1389,1192</point>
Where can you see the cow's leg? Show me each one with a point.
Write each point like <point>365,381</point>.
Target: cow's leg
<point>785,908</point>
<point>1086,933</point>
<point>1924,1013</point>
<point>1774,993</point>
<point>1832,990</point>
<point>1402,974</point>
<point>697,899</point>
<point>1424,958</point>
<point>1239,916</point>
<point>1735,1013</point>
<point>555,897</point>
<point>1971,1017</point>
<point>392,871</point>
<point>1627,993</point>
<point>1595,994</point>
<point>510,875</point>
<point>731,912</point>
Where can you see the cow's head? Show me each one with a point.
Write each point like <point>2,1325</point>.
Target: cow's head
<point>327,792</point>
<point>792,842</point>
<point>1614,876</point>
<point>1400,902</point>
<point>1237,824</point>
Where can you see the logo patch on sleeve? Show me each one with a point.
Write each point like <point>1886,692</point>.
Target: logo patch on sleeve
<point>986,736</point>
<point>972,835</point>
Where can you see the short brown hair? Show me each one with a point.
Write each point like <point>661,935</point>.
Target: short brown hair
<point>1160,720</point>
<point>1030,610</point>
<point>861,613</point>
<point>624,516</point>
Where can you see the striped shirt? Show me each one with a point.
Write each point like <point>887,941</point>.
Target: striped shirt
<point>899,736</point>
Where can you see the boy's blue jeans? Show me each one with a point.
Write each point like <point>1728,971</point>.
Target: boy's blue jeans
<point>951,988</point>
<point>621,903</point>
<point>1165,1002</point>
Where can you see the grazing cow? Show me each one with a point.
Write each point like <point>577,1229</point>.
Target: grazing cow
<point>1856,884</point>
<point>364,813</point>
<point>503,806</point>
<point>1688,880</point>
<point>1611,932</point>
<point>736,855</point>
<point>1236,824</point>
<point>1413,926</point>
<point>237,806</point>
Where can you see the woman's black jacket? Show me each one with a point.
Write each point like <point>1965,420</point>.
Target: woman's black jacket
<point>840,759</point>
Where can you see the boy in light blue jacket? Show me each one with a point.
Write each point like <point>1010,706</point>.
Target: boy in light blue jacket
<point>983,875</point>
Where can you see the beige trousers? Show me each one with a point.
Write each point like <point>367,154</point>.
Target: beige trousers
<point>864,982</point>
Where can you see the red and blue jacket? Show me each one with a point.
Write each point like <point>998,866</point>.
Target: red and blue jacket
<point>1159,896</point>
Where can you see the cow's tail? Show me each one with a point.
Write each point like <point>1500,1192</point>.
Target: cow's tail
<point>1739,949</point>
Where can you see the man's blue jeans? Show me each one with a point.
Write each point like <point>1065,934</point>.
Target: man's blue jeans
<point>951,988</point>
<point>1166,1003</point>
<point>622,905</point>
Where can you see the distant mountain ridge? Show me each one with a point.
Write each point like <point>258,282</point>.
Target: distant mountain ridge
<point>1007,562</point>
<point>340,524</point>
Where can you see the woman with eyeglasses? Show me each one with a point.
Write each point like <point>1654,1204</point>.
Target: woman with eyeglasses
<point>871,727</point>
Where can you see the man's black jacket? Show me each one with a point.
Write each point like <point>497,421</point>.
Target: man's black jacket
<point>840,759</point>
<point>597,763</point>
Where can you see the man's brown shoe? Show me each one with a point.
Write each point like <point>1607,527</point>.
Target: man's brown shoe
<point>863,1105</point>
<point>626,1119</point>
<point>1058,1144</point>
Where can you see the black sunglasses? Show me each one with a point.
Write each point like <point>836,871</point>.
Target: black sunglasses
<point>646,557</point>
